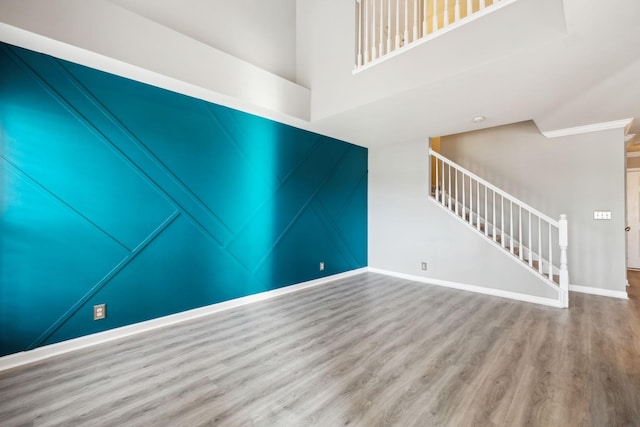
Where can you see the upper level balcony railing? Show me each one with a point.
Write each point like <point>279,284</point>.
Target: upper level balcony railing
<point>387,26</point>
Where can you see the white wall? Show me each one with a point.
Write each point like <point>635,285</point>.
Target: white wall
<point>260,32</point>
<point>574,175</point>
<point>405,229</point>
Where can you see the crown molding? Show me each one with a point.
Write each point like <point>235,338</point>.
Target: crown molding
<point>596,127</point>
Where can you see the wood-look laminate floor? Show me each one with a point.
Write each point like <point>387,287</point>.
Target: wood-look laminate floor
<point>369,350</point>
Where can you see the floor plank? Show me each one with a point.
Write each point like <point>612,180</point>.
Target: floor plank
<point>368,351</point>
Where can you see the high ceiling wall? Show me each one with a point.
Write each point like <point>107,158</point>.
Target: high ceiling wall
<point>259,32</point>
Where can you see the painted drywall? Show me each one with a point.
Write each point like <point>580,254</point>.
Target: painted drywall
<point>152,202</point>
<point>262,33</point>
<point>572,175</point>
<point>406,229</point>
<point>106,36</point>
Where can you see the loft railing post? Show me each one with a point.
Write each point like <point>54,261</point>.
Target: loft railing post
<point>374,51</point>
<point>563,239</point>
<point>381,38</point>
<point>397,24</point>
<point>445,19</point>
<point>434,28</point>
<point>389,45</point>
<point>366,31</point>
<point>416,18</point>
<point>424,18</point>
<point>359,57</point>
<point>406,22</point>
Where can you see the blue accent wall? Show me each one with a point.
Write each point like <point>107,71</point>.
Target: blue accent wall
<point>152,202</point>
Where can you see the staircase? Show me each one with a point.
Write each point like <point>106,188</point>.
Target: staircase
<point>534,240</point>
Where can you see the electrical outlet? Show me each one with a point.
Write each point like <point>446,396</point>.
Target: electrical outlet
<point>424,266</point>
<point>99,311</point>
<point>321,265</point>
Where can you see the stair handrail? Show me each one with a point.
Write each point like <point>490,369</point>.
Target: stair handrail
<point>496,189</point>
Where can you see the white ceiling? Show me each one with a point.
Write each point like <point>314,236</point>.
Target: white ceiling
<point>561,63</point>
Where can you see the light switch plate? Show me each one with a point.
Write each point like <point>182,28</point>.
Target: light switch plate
<point>602,215</point>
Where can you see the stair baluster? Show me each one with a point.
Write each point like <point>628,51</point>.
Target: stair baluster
<point>478,204</point>
<point>457,198</point>
<point>550,256</point>
<point>530,243</point>
<point>464,201</point>
<point>494,216</point>
<point>520,251</point>
<point>540,243</point>
<point>486,212</point>
<point>502,224</point>
<point>471,201</point>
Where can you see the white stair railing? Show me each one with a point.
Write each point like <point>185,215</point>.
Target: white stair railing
<point>526,233</point>
<point>379,22</point>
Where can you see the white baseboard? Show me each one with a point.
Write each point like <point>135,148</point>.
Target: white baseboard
<point>45,352</point>
<point>599,291</point>
<point>472,288</point>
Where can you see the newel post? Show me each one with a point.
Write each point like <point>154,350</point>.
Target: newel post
<point>564,271</point>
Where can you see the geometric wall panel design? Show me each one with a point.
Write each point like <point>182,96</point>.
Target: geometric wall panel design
<point>153,202</point>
